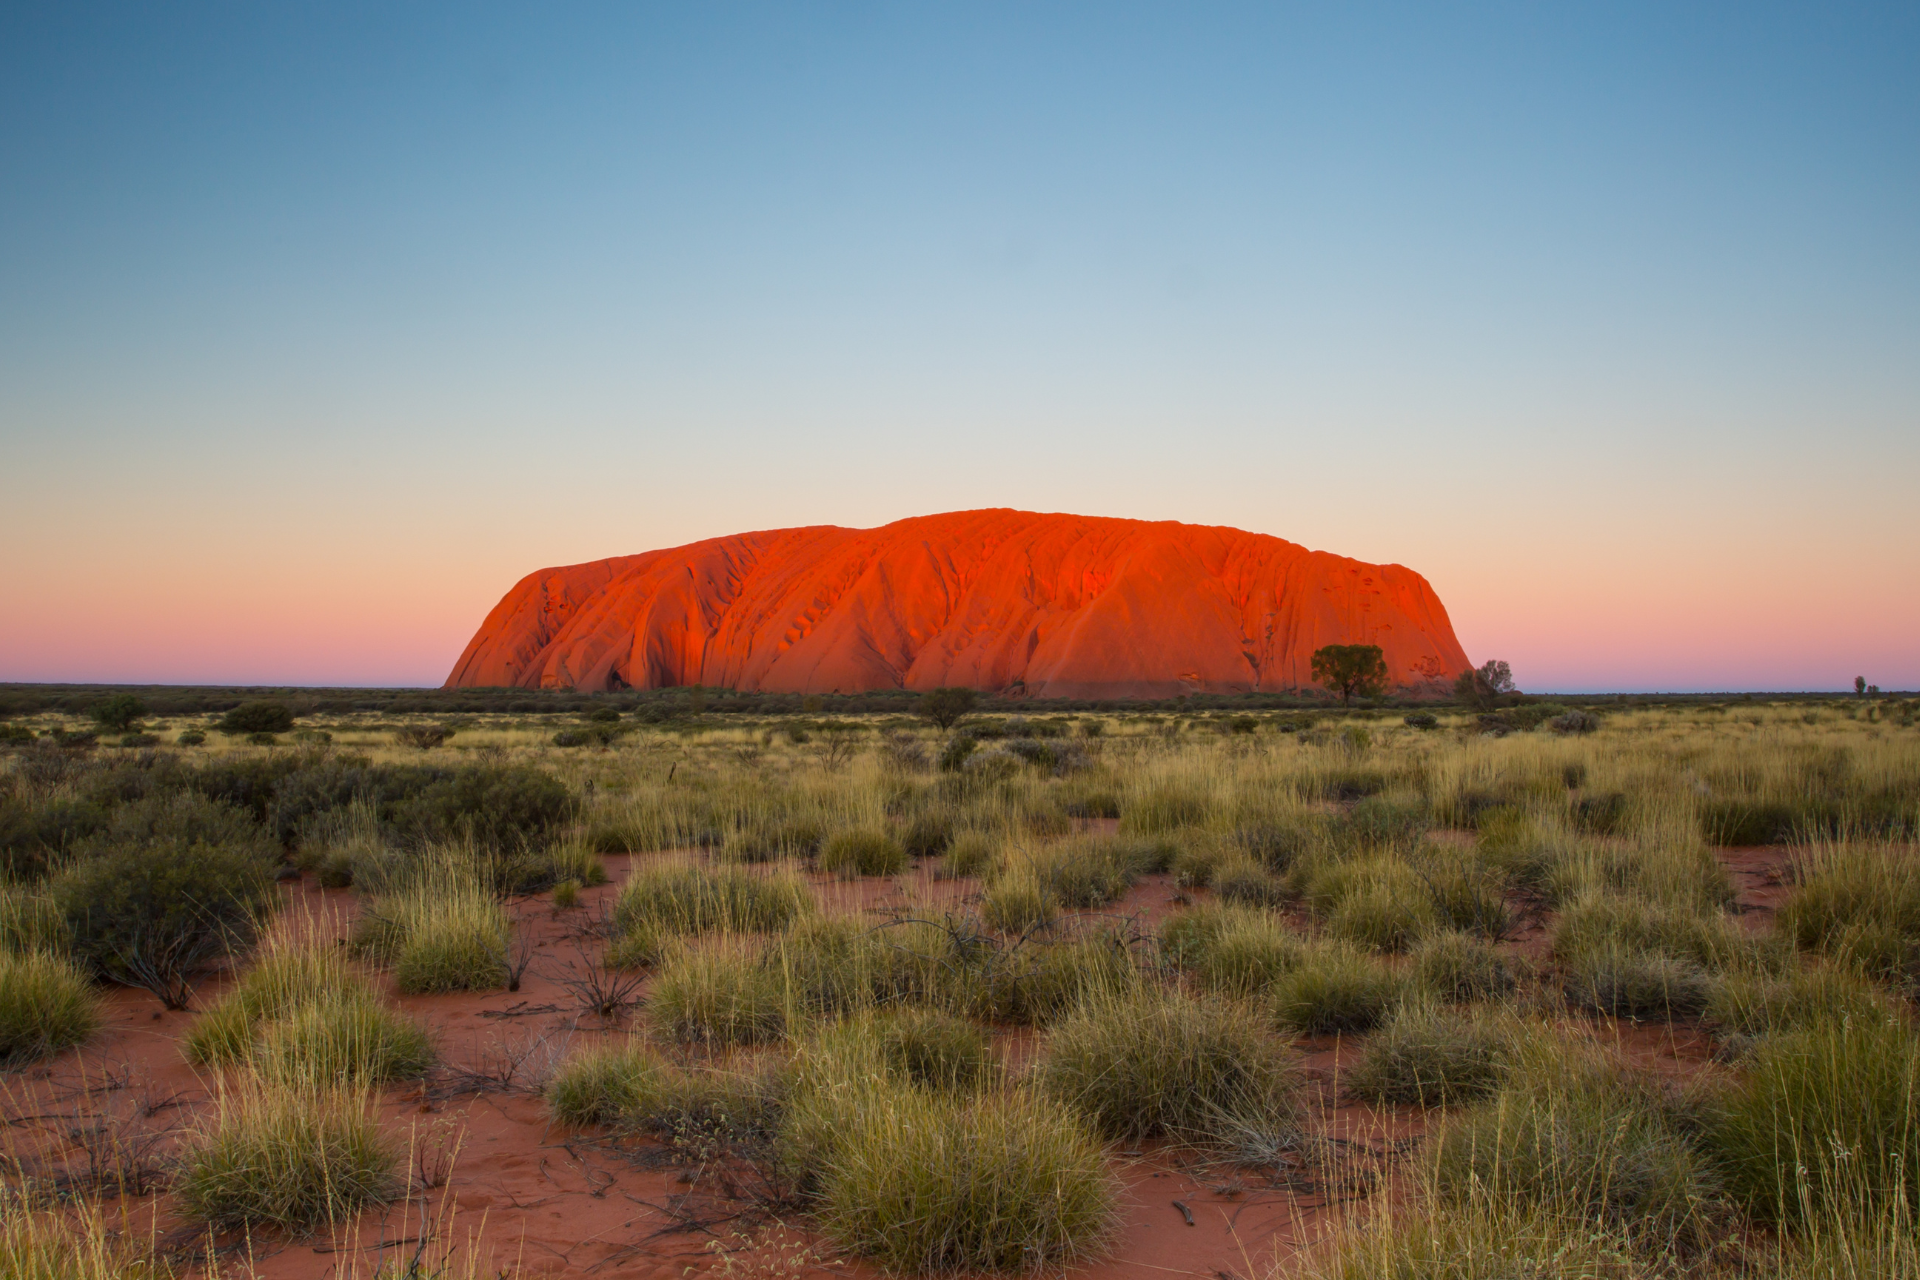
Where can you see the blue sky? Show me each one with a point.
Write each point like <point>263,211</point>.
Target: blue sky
<point>319,326</point>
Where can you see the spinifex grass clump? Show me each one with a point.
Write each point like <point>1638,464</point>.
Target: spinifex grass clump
<point>1232,949</point>
<point>1429,1057</point>
<point>661,902</point>
<point>1759,1003</point>
<point>348,1039</point>
<point>444,934</point>
<point>1335,988</point>
<point>46,1005</point>
<point>628,1086</point>
<point>1569,1136</point>
<point>1860,903</point>
<point>66,1243</point>
<point>284,978</point>
<point>1825,1121</point>
<point>1461,967</point>
<point>930,1182</point>
<point>721,992</point>
<point>1150,1061</point>
<point>294,1158</point>
<point>862,852</point>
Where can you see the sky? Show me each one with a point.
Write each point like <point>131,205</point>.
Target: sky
<point>320,325</point>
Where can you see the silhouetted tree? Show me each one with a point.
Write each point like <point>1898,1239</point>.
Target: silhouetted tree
<point>1347,669</point>
<point>1484,685</point>
<point>118,712</point>
<point>945,706</point>
<point>1859,686</point>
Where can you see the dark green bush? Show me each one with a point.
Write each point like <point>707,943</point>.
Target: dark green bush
<point>152,916</point>
<point>928,835</point>
<point>118,713</point>
<point>256,717</point>
<point>495,806</point>
<point>31,831</point>
<point>1745,822</point>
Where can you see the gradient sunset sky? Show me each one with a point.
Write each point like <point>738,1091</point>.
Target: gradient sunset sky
<point>321,325</point>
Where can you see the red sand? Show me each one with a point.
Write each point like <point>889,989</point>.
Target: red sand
<point>1049,605</point>
<point>551,1202</point>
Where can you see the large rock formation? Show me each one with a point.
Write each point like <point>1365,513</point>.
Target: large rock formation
<point>1052,605</point>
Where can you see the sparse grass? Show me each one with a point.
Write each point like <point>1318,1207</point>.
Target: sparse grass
<point>929,1182</point>
<point>46,1005</point>
<point>1150,1062</point>
<point>71,1243</point>
<point>296,1159</point>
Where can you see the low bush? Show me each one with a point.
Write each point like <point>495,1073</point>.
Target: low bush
<point>441,934</point>
<point>1148,1062</point>
<point>494,807</point>
<point>931,1182</point>
<point>1242,880</point>
<point>928,834</point>
<point>612,1086</point>
<point>1232,949</point>
<point>1427,1057</point>
<point>422,737</point>
<point>1859,902</point>
<point>774,839</point>
<point>1825,1120</point>
<point>862,852</point>
<point>1384,913</point>
<point>1335,989</point>
<point>343,1040</point>
<point>1616,925</point>
<point>297,1159</point>
<point>1018,901</point>
<point>256,717</point>
<point>46,1005</point>
<point>1164,808</point>
<point>1574,722</point>
<point>154,916</point>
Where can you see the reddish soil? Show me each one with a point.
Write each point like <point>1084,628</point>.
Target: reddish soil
<point>553,1202</point>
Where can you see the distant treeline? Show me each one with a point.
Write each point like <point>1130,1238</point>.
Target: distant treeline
<point>673,704</point>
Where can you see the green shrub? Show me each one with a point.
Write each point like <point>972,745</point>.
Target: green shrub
<point>1859,903</point>
<point>1461,967</point>
<point>1825,1120</point>
<point>191,738</point>
<point>344,1040</point>
<point>1428,1058</point>
<point>441,934</point>
<point>1335,989</point>
<point>256,717</point>
<point>495,807</point>
<point>1232,949</point>
<point>862,852</point>
<point>1615,925</point>
<point>1242,880</point>
<point>46,1005</point>
<point>1043,981</point>
<point>930,1182</point>
<point>153,917</point>
<point>296,1159</point>
<point>612,1086</point>
<point>1148,1062</point>
<point>771,839</point>
<point>1387,912</point>
<point>1746,822</point>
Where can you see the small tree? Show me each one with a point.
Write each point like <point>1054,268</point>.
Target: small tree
<point>1859,686</point>
<point>945,706</point>
<point>118,712</point>
<point>1486,684</point>
<point>1347,669</point>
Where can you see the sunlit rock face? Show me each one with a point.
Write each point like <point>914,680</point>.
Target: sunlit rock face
<point>1050,605</point>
